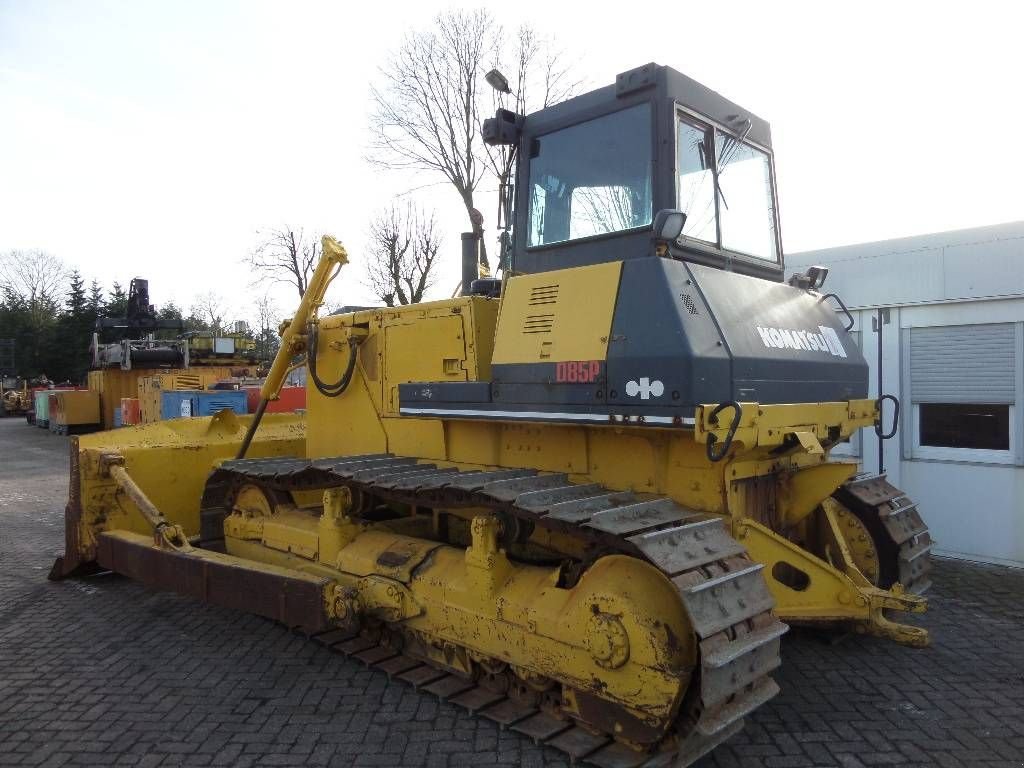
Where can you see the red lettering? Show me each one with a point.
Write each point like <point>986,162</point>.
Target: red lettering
<point>577,371</point>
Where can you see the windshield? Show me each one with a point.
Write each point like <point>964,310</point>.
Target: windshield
<point>744,218</point>
<point>592,178</point>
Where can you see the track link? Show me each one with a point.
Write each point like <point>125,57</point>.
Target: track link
<point>721,589</point>
<point>895,523</point>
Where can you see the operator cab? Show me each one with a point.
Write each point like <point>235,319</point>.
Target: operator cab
<point>645,273</point>
<point>593,173</point>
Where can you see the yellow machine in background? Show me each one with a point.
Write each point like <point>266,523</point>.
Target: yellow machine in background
<point>15,398</point>
<point>208,348</point>
<point>74,410</point>
<point>535,506</point>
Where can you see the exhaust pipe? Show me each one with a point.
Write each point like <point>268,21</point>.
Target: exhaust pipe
<point>470,260</point>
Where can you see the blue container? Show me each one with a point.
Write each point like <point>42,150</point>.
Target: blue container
<point>177,403</point>
<point>118,418</point>
<point>214,401</point>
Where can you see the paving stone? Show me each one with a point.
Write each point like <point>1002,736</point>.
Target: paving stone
<point>102,671</point>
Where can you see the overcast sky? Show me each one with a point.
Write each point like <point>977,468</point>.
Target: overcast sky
<point>155,138</point>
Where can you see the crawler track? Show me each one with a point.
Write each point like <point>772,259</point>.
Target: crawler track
<point>722,590</point>
<point>901,536</point>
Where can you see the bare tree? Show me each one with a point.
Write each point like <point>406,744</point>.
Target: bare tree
<point>267,319</point>
<point>35,276</point>
<point>539,76</point>
<point>285,256</point>
<point>597,210</point>
<point>427,111</point>
<point>209,308</point>
<point>403,247</point>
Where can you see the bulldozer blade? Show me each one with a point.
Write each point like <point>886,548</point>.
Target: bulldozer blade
<point>289,597</point>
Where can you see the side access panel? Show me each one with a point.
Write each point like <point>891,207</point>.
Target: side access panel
<point>787,346</point>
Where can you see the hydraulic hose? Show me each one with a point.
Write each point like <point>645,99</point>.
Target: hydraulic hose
<point>293,340</point>
<point>338,387</point>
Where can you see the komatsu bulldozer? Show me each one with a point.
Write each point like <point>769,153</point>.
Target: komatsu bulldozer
<point>584,501</point>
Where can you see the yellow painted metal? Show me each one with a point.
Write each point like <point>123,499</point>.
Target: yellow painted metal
<point>170,461</point>
<point>72,408</point>
<point>556,316</point>
<point>622,627</point>
<point>620,633</point>
<point>801,491</point>
<point>808,589</point>
<point>757,481</point>
<point>847,543</point>
<point>446,340</point>
<point>202,349</point>
<point>773,425</point>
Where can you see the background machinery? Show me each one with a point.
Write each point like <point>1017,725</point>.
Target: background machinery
<point>125,352</point>
<point>14,396</point>
<point>130,341</point>
<point>583,509</point>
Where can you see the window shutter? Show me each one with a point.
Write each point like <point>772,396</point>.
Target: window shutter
<point>963,364</point>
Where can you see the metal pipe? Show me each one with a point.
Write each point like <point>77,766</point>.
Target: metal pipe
<point>149,510</point>
<point>470,260</point>
<point>881,403</point>
<point>257,417</point>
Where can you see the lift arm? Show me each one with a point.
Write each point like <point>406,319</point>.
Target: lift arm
<point>293,332</point>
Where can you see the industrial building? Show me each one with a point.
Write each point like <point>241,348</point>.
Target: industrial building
<point>950,308</point>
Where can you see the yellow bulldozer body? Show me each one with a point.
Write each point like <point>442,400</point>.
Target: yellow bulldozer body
<point>644,644</point>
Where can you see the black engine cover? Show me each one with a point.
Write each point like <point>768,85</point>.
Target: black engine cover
<point>682,335</point>
<point>685,334</point>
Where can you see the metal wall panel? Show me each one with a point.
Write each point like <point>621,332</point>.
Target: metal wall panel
<point>963,364</point>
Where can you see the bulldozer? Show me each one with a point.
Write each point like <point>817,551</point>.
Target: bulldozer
<point>14,396</point>
<point>584,501</point>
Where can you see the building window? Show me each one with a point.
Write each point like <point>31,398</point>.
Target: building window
<point>957,425</point>
<point>963,393</point>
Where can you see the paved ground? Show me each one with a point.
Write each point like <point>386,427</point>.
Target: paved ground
<point>103,672</point>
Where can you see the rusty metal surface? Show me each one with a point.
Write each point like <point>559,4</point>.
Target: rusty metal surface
<point>730,611</point>
<point>639,517</point>
<point>244,664</point>
<point>68,563</point>
<point>295,602</point>
<point>508,712</point>
<point>476,699</point>
<point>716,604</point>
<point>578,742</point>
<point>897,526</point>
<point>685,547</point>
<point>541,726</point>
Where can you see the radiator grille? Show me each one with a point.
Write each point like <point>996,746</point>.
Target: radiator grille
<point>543,294</point>
<point>688,302</point>
<point>538,323</point>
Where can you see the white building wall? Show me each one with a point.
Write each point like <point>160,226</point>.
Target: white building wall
<point>973,503</point>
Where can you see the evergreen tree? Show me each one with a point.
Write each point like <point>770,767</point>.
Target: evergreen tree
<point>76,302</point>
<point>117,304</point>
<point>95,301</point>
<point>73,333</point>
<point>169,311</point>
